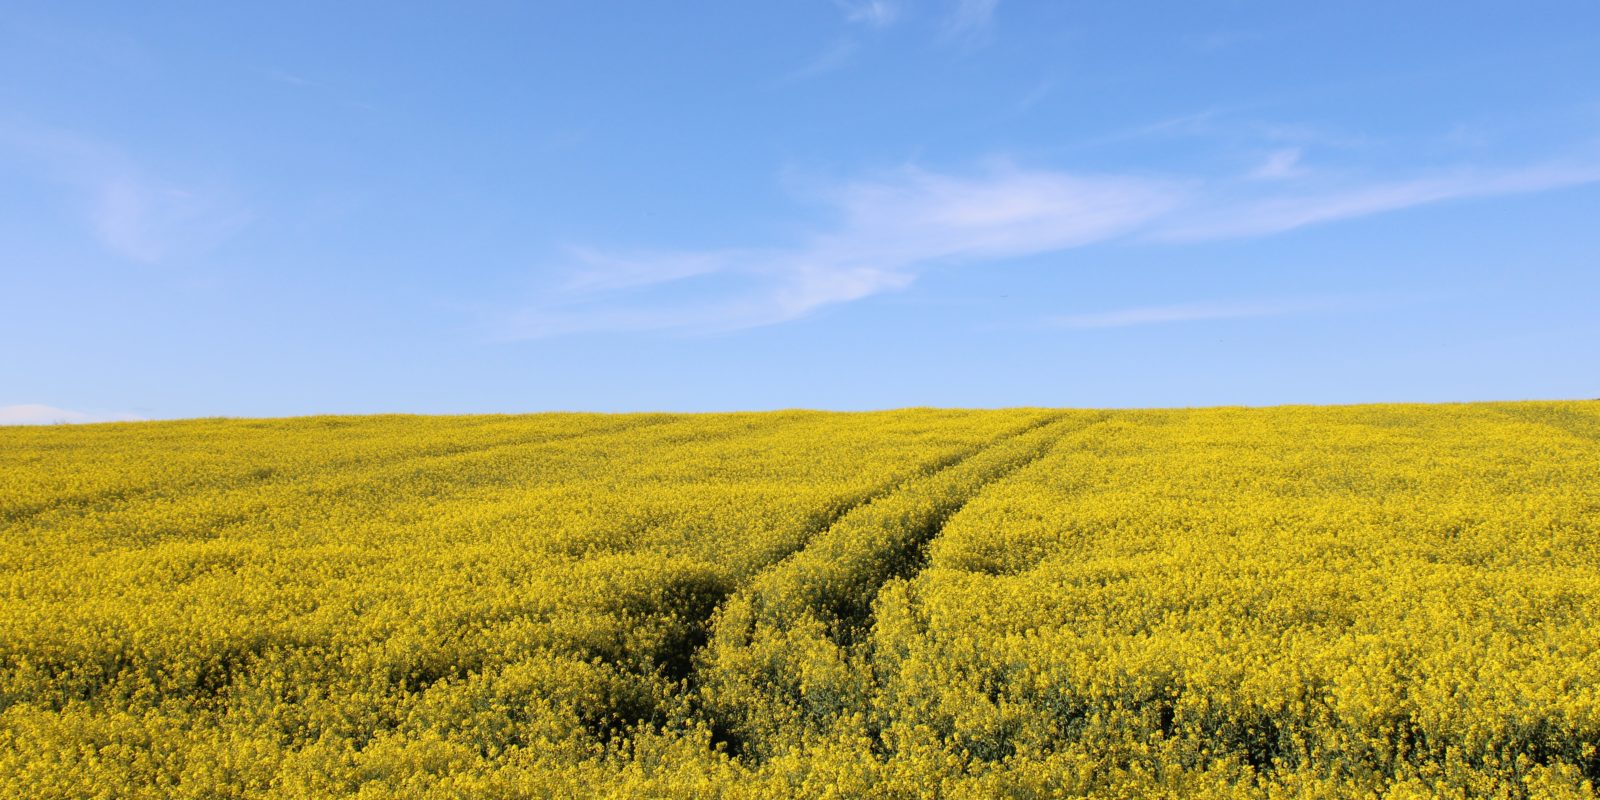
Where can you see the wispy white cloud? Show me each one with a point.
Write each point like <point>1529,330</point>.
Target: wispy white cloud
<point>37,414</point>
<point>1034,96</point>
<point>970,20</point>
<point>134,212</point>
<point>891,228</point>
<point>1225,124</point>
<point>769,288</point>
<point>150,220</point>
<point>1297,208</point>
<point>963,22</point>
<point>1279,164</point>
<point>600,271</point>
<point>833,57</point>
<point>286,77</point>
<point>916,215</point>
<point>1186,312</point>
<point>314,88</point>
<point>960,18</point>
<point>873,13</point>
<point>1194,124</point>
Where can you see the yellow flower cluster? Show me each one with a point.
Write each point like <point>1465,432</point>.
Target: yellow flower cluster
<point>1305,602</point>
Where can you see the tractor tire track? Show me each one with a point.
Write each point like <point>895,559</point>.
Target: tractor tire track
<point>755,681</point>
<point>701,604</point>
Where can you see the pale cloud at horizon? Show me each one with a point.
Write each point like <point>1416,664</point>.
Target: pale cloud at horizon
<point>40,414</point>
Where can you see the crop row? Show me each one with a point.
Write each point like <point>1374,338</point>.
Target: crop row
<point>1375,601</point>
<point>1392,601</point>
<point>531,600</point>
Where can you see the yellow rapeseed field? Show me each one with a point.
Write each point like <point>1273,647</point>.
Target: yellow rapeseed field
<point>1390,601</point>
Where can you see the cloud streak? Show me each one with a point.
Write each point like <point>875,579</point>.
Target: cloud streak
<point>151,221</point>
<point>1186,312</point>
<point>891,228</point>
<point>872,13</point>
<point>1287,211</point>
<point>136,214</point>
<point>834,57</point>
<point>971,20</point>
<point>961,18</point>
<point>1279,164</point>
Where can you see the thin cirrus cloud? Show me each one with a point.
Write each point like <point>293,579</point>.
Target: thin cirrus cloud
<point>873,13</point>
<point>150,221</point>
<point>134,213</point>
<point>893,227</point>
<point>834,57</point>
<point>888,229</point>
<point>970,20</point>
<point>1184,312</point>
<point>959,18</point>
<point>1276,213</point>
<point>1279,165</point>
<point>965,22</point>
<point>38,414</point>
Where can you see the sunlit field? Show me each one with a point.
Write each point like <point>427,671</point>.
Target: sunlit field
<point>1364,601</point>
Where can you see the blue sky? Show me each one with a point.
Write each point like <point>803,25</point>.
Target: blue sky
<point>292,208</point>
